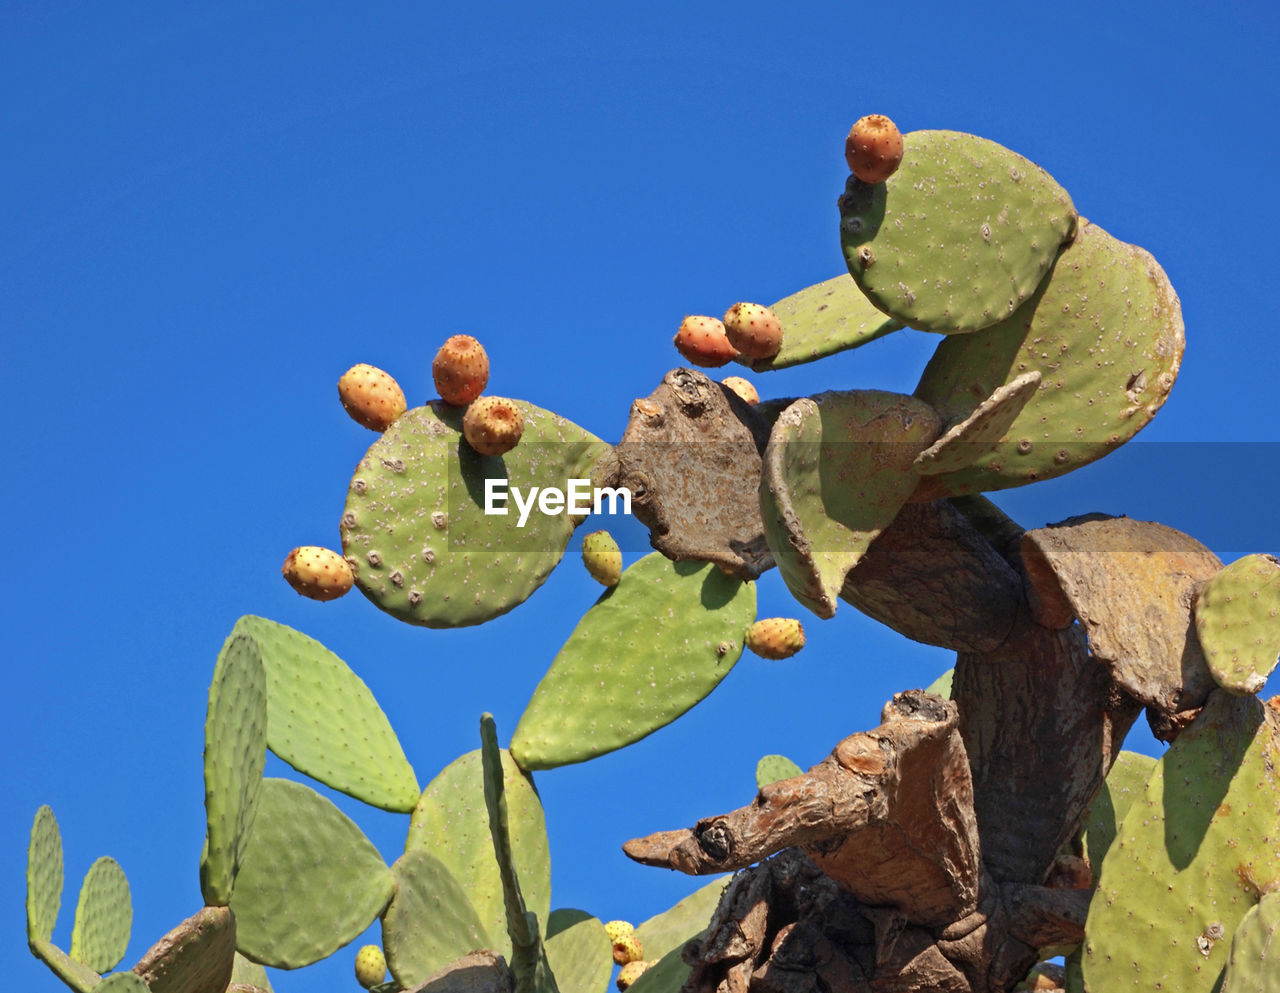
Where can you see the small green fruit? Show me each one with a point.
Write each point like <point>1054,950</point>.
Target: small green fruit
<point>603,559</point>
<point>371,966</point>
<point>776,637</point>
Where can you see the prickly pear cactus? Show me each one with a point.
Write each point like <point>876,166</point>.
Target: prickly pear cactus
<point>44,876</point>
<point>104,917</point>
<point>1254,965</point>
<point>1192,855</point>
<point>579,951</point>
<point>958,237</point>
<point>647,651</point>
<point>774,768</point>
<point>1238,622</point>
<point>415,527</point>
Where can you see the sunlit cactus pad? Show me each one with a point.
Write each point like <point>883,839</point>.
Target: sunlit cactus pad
<point>1192,856</point>
<point>579,951</point>
<point>1238,622</point>
<point>821,320</point>
<point>1254,966</point>
<point>958,237</point>
<point>430,921</point>
<point>1105,332</point>
<point>415,529</point>
<point>104,917</point>
<point>197,956</point>
<point>44,876</point>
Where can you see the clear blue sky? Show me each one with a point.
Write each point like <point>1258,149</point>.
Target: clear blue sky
<point>209,211</point>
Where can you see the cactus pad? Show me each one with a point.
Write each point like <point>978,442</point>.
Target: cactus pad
<point>1124,784</point>
<point>775,768</point>
<point>198,956</point>
<point>430,922</point>
<point>122,982</point>
<point>975,435</point>
<point>821,320</point>
<point>837,471</point>
<point>958,237</point>
<point>44,876</point>
<point>416,531</point>
<point>104,917</point>
<point>452,823</point>
<point>75,974</point>
<point>647,651</point>
<point>323,721</point>
<point>235,753</point>
<point>942,685</point>
<point>1254,965</point>
<point>247,973</point>
<point>1105,332</point>
<point>1193,854</point>
<point>1238,622</point>
<point>667,931</point>
<point>579,951</point>
<point>310,881</point>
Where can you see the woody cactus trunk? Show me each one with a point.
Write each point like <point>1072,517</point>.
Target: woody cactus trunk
<point>989,824</point>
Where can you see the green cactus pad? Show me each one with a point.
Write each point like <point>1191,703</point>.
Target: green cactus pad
<point>310,880</point>
<point>1105,332</point>
<point>104,917</point>
<point>1254,965</point>
<point>123,982</point>
<point>248,973</point>
<point>323,721</point>
<point>667,975</point>
<point>235,752</point>
<point>958,237</point>
<point>1238,623</point>
<point>942,685</point>
<point>197,956</point>
<point>837,470</point>
<point>75,974</point>
<point>1192,855</point>
<point>430,922</point>
<point>1125,783</point>
<point>646,651</point>
<point>775,768</point>
<point>821,320</point>
<point>416,531</point>
<point>669,930</point>
<point>579,952</point>
<point>44,875</point>
<point>452,823</point>
<point>963,442</point>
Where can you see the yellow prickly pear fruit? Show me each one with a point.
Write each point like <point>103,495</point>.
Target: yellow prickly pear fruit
<point>492,425</point>
<point>617,929</point>
<point>372,398</point>
<point>603,559</point>
<point>776,637</point>
<point>754,330</point>
<point>873,148</point>
<point>460,370</point>
<point>371,966</point>
<point>743,388</point>
<point>632,971</point>
<point>627,949</point>
<point>318,573</point>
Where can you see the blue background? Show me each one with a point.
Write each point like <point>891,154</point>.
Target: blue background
<point>209,211</point>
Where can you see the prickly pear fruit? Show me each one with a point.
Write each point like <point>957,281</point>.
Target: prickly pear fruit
<point>873,148</point>
<point>317,572</point>
<point>630,972</point>
<point>743,388</point>
<point>372,398</point>
<point>776,637</point>
<point>602,557</point>
<point>492,425</point>
<point>703,341</point>
<point>371,966</point>
<point>460,370</point>
<point>618,929</point>
<point>754,330</point>
<point>627,949</point>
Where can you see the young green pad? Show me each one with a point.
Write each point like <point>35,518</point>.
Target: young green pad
<point>821,320</point>
<point>958,237</point>
<point>323,720</point>
<point>837,470</point>
<point>578,951</point>
<point>1192,855</point>
<point>639,658</point>
<point>1105,332</point>
<point>774,769</point>
<point>452,823</point>
<point>44,875</point>
<point>197,956</point>
<point>942,685</point>
<point>1125,783</point>
<point>310,881</point>
<point>235,752</point>
<point>669,930</point>
<point>415,525</point>
<point>104,917</point>
<point>1238,623</point>
<point>1254,965</point>
<point>430,922</point>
